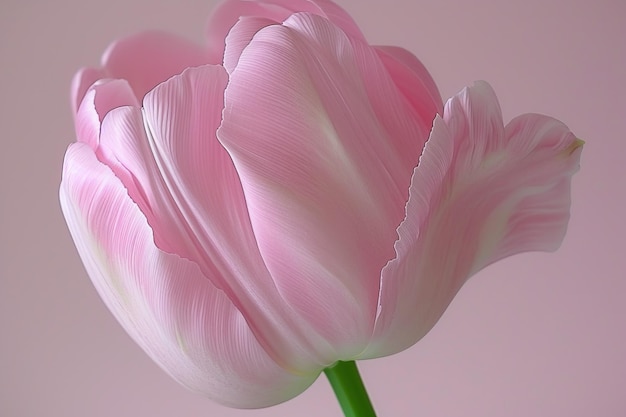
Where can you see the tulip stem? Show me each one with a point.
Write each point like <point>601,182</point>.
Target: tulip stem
<point>346,382</point>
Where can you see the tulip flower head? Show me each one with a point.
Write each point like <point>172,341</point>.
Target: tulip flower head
<point>289,197</point>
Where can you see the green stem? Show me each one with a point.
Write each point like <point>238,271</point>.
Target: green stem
<point>346,382</point>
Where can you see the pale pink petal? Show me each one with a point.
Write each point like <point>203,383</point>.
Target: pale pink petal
<point>149,58</point>
<point>226,15</point>
<point>239,37</point>
<point>336,15</point>
<point>325,145</point>
<point>186,185</point>
<point>81,82</point>
<point>188,327</point>
<point>413,79</point>
<point>539,223</point>
<point>480,193</point>
<point>144,60</point>
<point>102,97</point>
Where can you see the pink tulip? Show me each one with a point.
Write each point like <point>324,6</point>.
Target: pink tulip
<point>253,213</point>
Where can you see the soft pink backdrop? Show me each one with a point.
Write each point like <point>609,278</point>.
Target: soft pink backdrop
<point>536,335</point>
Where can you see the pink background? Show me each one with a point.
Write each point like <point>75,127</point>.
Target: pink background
<point>536,335</point>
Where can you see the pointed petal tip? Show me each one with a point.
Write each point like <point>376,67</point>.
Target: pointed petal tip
<point>574,146</point>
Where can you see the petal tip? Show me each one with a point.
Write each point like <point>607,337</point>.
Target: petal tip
<point>574,146</point>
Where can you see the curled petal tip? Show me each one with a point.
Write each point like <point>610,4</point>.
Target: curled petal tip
<point>578,143</point>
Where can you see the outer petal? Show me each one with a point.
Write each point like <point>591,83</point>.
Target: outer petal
<point>186,185</point>
<point>480,193</point>
<point>189,327</point>
<point>226,15</point>
<point>325,146</point>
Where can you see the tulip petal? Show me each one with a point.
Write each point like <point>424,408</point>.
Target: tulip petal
<point>413,79</point>
<point>184,182</point>
<point>226,15</point>
<point>81,82</point>
<point>325,146</point>
<point>147,59</point>
<point>239,37</point>
<point>188,327</point>
<point>144,60</point>
<point>339,17</point>
<point>481,192</point>
<point>102,97</point>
